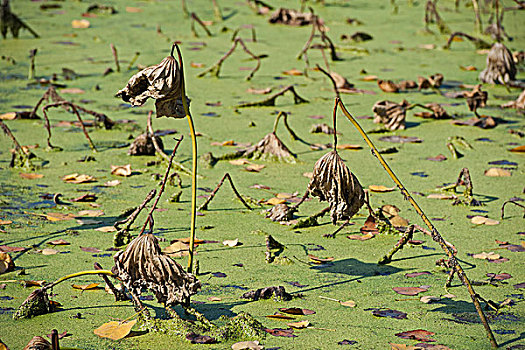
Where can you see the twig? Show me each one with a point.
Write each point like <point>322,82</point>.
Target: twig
<point>74,108</point>
<point>122,235</point>
<point>317,26</point>
<point>119,294</point>
<point>407,236</point>
<point>513,202</point>
<point>32,55</point>
<point>336,90</point>
<point>217,10</point>
<point>270,101</point>
<point>195,18</point>
<point>133,60</point>
<point>115,56</point>
<point>215,69</point>
<point>436,236</point>
<point>226,176</point>
<point>480,44</point>
<point>332,235</point>
<point>162,187</point>
<point>479,25</point>
<point>185,8</point>
<point>25,155</point>
<point>151,134</point>
<point>284,116</point>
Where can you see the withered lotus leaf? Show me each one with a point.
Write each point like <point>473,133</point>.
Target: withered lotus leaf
<point>143,145</point>
<point>37,303</point>
<point>476,98</point>
<point>332,181</point>
<point>291,17</point>
<point>436,112</point>
<point>501,68</point>
<point>390,114</point>
<point>280,212</point>
<point>143,266</point>
<point>161,82</point>
<point>271,148</point>
<point>38,343</point>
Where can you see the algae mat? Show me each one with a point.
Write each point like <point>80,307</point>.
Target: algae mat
<point>401,49</point>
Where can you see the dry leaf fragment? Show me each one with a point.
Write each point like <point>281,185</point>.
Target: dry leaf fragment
<point>255,168</point>
<point>49,251</point>
<point>348,303</point>
<point>240,161</point>
<point>387,85</point>
<point>487,256</point>
<point>361,237</point>
<point>76,178</point>
<point>481,220</point>
<point>349,146</point>
<point>380,188</point>
<point>409,290</point>
<point>115,330</point>
<point>369,78</point>
<point>427,299</point>
<point>59,216</point>
<point>275,201</point>
<point>299,324</point>
<point>296,311</point>
<point>84,287</point>
<point>293,71</point>
<point>497,172</point>
<point>231,242</point>
<point>112,183</point>
<point>58,242</point>
<point>390,114</point>
<point>334,182</point>
<point>106,229</point>
<point>91,213</point>
<point>441,196</point>
<point>5,222</point>
<point>121,170</point>
<point>80,23</point>
<point>519,149</point>
<point>6,263</point>
<point>318,260</point>
<point>468,68</point>
<point>214,298</point>
<point>131,9</point>
<point>279,316</point>
<point>31,176</point>
<point>417,334</point>
<point>247,345</point>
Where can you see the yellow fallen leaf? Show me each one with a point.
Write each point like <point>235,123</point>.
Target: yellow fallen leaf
<point>214,299</point>
<point>369,78</point>
<point>231,242</point>
<point>228,143</point>
<point>115,330</point>
<point>468,68</point>
<point>49,251</point>
<point>299,324</point>
<point>398,221</point>
<point>59,216</point>
<point>121,170</point>
<point>487,256</point>
<point>240,161</point>
<point>284,195</point>
<point>80,23</point>
<point>491,222</point>
<point>481,220</point>
<point>349,146</point>
<point>31,176</point>
<point>441,196</point>
<point>293,71</point>
<point>85,286</point>
<point>76,178</point>
<point>518,149</point>
<point>131,9</point>
<point>275,201</point>
<point>5,222</point>
<point>106,229</point>
<point>349,303</point>
<point>8,116</point>
<point>380,188</point>
<point>493,172</point>
<point>255,167</point>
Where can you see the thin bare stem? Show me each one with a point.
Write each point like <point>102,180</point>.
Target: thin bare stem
<point>217,10</point>
<point>195,18</point>
<point>334,122</point>
<point>77,274</point>
<point>336,90</point>
<point>151,134</point>
<point>479,25</point>
<point>120,295</point>
<point>226,176</point>
<point>436,236</point>
<point>480,44</point>
<point>115,56</point>
<point>407,236</point>
<point>513,202</point>
<point>270,101</point>
<point>32,55</point>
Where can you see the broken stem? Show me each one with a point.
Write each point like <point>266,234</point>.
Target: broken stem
<point>151,133</point>
<point>194,162</point>
<point>77,274</point>
<point>217,10</point>
<point>195,18</point>
<point>270,101</point>
<point>407,236</point>
<point>133,60</point>
<point>513,202</point>
<point>115,56</point>
<point>32,55</point>
<point>336,90</point>
<point>436,236</point>
<point>226,176</point>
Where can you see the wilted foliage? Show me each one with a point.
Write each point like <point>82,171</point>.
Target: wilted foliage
<point>500,66</point>
<point>390,114</point>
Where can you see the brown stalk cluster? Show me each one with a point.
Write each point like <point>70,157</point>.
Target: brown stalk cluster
<point>392,115</point>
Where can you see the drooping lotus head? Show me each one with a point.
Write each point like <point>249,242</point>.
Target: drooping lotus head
<point>332,181</point>
<point>161,82</point>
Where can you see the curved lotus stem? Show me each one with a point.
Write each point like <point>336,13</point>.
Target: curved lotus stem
<point>77,274</point>
<point>194,161</point>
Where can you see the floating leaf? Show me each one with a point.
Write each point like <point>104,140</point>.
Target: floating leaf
<point>240,161</point>
<point>279,332</point>
<point>279,316</point>
<point>481,220</point>
<point>416,274</point>
<point>58,242</point>
<point>299,324</point>
<point>121,170</point>
<point>349,146</point>
<point>80,23</point>
<point>9,249</point>
<point>500,276</point>
<point>115,330</point>
<point>88,197</point>
<point>76,178</point>
<point>380,188</point>
<point>417,334</point>
<point>401,139</point>
<point>487,256</point>
<point>364,237</point>
<point>84,287</point>
<point>90,249</point>
<point>427,299</point>
<point>348,303</point>
<point>231,242</point>
<point>106,229</point>
<point>318,260</point>
<point>293,71</point>
<point>131,9</point>
<point>296,311</point>
<point>49,251</point>
<point>275,201</point>
<point>214,299</point>
<point>75,91</point>
<point>195,338</point>
<point>255,168</point>
<point>441,196</point>
<point>519,149</point>
<point>389,313</point>
<point>497,172</point>
<point>112,183</point>
<point>59,216</point>
<point>31,176</point>
<point>90,213</point>
<point>408,290</point>
<point>247,345</point>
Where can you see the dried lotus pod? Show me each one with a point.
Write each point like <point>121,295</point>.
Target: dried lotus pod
<point>476,98</point>
<point>143,266</point>
<point>143,145</point>
<point>270,147</point>
<point>501,68</point>
<point>38,343</point>
<point>387,85</point>
<point>161,82</point>
<point>390,114</point>
<point>332,181</point>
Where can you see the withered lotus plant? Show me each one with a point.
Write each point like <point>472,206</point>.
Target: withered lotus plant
<point>501,68</point>
<point>143,266</point>
<point>161,82</point>
<point>333,182</point>
<point>476,98</point>
<point>390,114</point>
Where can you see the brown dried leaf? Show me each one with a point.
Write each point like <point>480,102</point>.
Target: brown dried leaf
<point>334,182</point>
<point>299,324</point>
<point>296,311</point>
<point>255,168</point>
<point>417,334</point>
<point>279,316</point>
<point>380,188</point>
<point>361,237</point>
<point>80,23</point>
<point>293,71</point>
<point>497,172</point>
<point>487,256</point>
<point>387,85</point>
<point>86,286</point>
<point>76,178</point>
<point>121,170</point>
<point>59,216</point>
<point>519,149</point>
<point>31,176</point>
<point>392,115</point>
<point>59,242</point>
<point>318,260</point>
<point>348,303</point>
<point>106,229</point>
<point>408,290</point>
<point>91,213</point>
<point>6,263</point>
<point>38,343</point>
<point>115,330</point>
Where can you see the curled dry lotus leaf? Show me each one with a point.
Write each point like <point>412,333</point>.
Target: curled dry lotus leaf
<point>143,266</point>
<point>38,343</point>
<point>161,82</point>
<point>271,148</point>
<point>476,98</point>
<point>143,145</point>
<point>390,114</point>
<point>280,212</point>
<point>333,182</point>
<point>291,17</point>
<point>37,303</point>
<point>501,68</point>
<point>518,104</point>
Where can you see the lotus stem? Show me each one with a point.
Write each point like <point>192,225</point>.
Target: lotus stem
<point>77,274</point>
<point>194,163</point>
<point>436,236</point>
